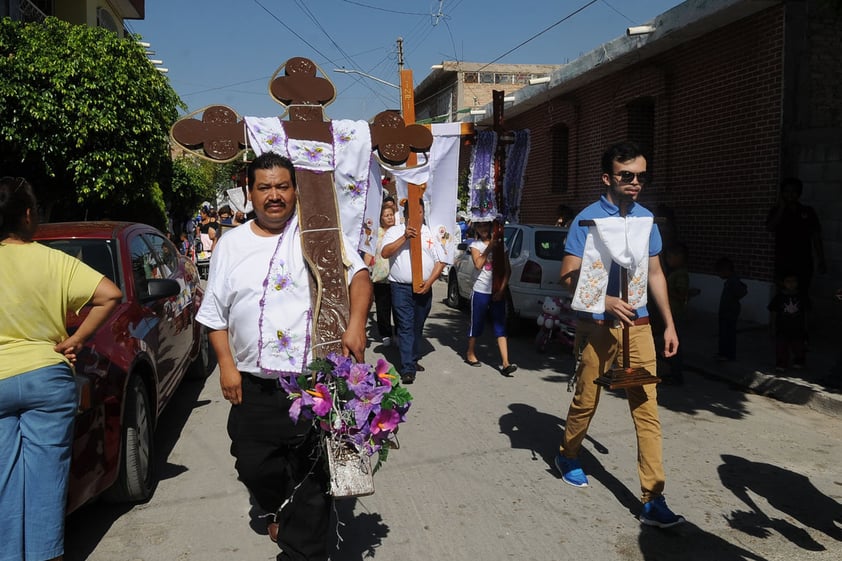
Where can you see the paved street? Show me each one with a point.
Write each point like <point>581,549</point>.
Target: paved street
<point>756,478</point>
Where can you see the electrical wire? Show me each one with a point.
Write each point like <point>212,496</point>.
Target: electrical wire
<point>562,20</point>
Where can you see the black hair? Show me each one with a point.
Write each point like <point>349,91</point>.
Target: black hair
<point>406,208</point>
<point>269,160</point>
<point>625,151</point>
<point>16,197</point>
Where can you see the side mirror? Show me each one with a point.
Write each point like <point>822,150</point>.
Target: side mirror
<point>156,289</point>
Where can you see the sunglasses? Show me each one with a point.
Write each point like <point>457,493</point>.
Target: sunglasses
<point>626,177</point>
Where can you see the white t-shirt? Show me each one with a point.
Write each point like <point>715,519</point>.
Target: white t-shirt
<point>400,264</point>
<point>482,284</point>
<point>238,269</point>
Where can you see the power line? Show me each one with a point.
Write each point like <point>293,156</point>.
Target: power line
<point>565,18</point>
<point>379,9</point>
<point>619,12</point>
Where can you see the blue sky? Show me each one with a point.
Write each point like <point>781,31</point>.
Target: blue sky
<point>217,53</point>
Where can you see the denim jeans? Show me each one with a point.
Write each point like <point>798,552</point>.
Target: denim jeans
<point>411,311</point>
<point>37,410</point>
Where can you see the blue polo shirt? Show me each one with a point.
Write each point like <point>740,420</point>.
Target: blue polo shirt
<point>577,236</point>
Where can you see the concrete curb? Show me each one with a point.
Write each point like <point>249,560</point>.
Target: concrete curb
<point>784,389</point>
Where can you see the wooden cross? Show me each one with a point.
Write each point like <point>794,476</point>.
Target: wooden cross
<point>625,376</point>
<point>504,138</point>
<point>305,94</point>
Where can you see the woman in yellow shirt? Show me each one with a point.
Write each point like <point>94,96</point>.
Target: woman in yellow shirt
<point>37,389</point>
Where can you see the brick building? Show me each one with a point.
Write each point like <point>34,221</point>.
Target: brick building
<point>453,89</point>
<point>730,96</point>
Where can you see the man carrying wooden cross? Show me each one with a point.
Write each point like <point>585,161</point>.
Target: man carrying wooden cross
<point>623,231</point>
<point>269,328</point>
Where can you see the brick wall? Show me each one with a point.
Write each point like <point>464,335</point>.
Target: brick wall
<point>816,139</point>
<point>717,140</point>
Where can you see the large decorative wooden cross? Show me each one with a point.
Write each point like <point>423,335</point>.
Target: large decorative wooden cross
<point>504,139</point>
<point>220,136</point>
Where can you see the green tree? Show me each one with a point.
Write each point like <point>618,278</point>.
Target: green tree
<point>86,118</point>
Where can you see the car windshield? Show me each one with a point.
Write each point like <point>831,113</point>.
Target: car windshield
<point>97,254</point>
<point>549,244</point>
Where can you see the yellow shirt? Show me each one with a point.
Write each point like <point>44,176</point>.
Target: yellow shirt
<point>38,285</point>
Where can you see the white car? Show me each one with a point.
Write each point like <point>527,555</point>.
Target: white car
<point>535,252</point>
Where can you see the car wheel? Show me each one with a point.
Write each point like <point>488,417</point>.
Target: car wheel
<point>136,481</point>
<point>198,369</point>
<point>453,299</point>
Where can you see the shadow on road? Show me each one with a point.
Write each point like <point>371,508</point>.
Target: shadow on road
<point>785,491</point>
<point>688,542</point>
<point>359,535</point>
<point>541,433</point>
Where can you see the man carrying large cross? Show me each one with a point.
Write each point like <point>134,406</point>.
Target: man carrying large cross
<point>289,286</point>
<point>268,324</point>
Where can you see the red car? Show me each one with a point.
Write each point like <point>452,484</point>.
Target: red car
<point>131,367</point>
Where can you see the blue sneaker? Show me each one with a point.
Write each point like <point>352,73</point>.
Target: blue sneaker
<point>657,513</point>
<point>571,471</point>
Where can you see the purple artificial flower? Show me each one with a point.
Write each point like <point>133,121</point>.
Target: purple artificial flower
<point>342,365</point>
<point>322,401</point>
<point>386,420</point>
<point>385,373</point>
<point>365,403</point>
<point>301,400</point>
<point>360,378</point>
<point>363,442</point>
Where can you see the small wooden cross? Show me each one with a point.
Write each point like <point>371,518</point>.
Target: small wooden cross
<point>305,94</point>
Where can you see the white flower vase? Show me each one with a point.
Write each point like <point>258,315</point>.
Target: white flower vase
<point>350,471</point>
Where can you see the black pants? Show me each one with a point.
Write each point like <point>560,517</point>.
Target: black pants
<point>274,455</point>
<point>383,308</point>
<point>727,338</point>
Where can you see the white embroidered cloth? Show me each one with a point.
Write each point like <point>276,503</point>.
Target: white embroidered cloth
<point>624,241</point>
<point>348,157</point>
<point>284,320</point>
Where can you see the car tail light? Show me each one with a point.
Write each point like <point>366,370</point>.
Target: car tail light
<point>531,273</point>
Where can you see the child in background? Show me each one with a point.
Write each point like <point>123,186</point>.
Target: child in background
<point>789,321</point>
<point>186,248</point>
<point>733,290</point>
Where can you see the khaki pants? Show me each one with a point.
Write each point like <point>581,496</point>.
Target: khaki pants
<point>602,348</point>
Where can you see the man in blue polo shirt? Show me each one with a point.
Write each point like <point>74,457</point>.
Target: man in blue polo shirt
<point>599,335</point>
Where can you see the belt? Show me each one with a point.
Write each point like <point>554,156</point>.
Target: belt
<point>614,322</point>
<point>273,383</point>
